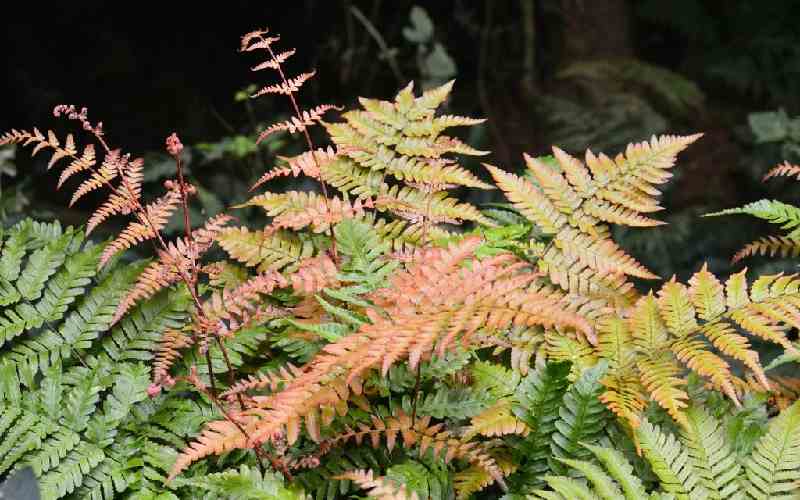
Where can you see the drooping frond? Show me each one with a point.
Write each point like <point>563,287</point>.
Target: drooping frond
<point>169,350</point>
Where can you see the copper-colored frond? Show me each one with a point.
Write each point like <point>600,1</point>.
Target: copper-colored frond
<point>298,124</point>
<point>781,246</point>
<point>257,39</point>
<point>288,87</point>
<point>785,169</point>
<point>172,341</point>
<point>158,214</point>
<point>272,380</point>
<point>124,199</point>
<point>110,168</point>
<point>79,164</point>
<point>276,62</point>
<point>379,487</point>
<point>309,163</point>
<point>433,305</point>
<point>166,270</point>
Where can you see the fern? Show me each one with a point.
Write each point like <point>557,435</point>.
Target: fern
<point>697,464</point>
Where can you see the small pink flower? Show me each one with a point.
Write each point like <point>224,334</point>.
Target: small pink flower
<point>174,146</point>
<point>153,390</point>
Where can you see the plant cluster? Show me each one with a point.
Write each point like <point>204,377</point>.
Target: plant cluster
<point>380,334</point>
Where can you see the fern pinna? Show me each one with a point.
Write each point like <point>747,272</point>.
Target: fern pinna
<point>359,338</point>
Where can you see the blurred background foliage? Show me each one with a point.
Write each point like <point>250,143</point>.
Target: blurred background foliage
<point>577,73</point>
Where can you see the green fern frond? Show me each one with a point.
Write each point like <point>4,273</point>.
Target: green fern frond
<point>581,417</point>
<point>244,483</point>
<point>771,470</point>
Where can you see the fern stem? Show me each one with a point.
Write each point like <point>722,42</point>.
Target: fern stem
<point>298,114</point>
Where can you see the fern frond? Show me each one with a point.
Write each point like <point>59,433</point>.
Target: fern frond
<point>266,252</point>
<point>529,200</point>
<point>670,461</point>
<point>713,459</point>
<point>158,214</point>
<point>660,378</point>
<point>581,417</point>
<point>298,123</point>
<point>782,246</point>
<point>123,200</point>
<point>785,169</point>
<point>309,163</point>
<point>423,314</point>
<point>242,482</point>
<point>273,380</point>
<point>112,165</point>
<point>772,211</point>
<point>289,87</point>
<point>274,63</point>
<point>771,469</point>
<point>85,162</point>
<point>166,270</point>
<point>496,420</point>
<point>380,488</point>
<point>620,470</point>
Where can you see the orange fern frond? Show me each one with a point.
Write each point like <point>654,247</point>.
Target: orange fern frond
<point>314,274</point>
<point>86,161</point>
<point>256,39</point>
<point>157,216</point>
<point>169,349</point>
<point>124,199</point>
<point>239,306</point>
<point>166,270</point>
<point>781,246</point>
<point>274,63</point>
<point>785,169</point>
<point>272,380</point>
<point>696,356</point>
<point>320,215</point>
<point>429,306</point>
<point>290,86</point>
<point>428,437</point>
<point>112,165</point>
<point>624,397</point>
<point>309,163</point>
<point>298,123</point>
<point>379,487</point>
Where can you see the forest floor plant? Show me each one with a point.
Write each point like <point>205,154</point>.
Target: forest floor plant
<point>362,340</point>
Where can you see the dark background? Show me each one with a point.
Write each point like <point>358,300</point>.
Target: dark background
<point>148,69</point>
